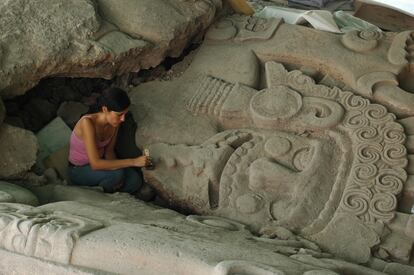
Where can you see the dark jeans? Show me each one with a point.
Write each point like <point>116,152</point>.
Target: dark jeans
<point>123,180</point>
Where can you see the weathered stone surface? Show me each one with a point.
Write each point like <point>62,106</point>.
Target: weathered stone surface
<point>88,226</point>
<point>58,160</point>
<point>52,137</point>
<point>16,194</point>
<point>69,38</point>
<point>18,150</point>
<point>71,111</point>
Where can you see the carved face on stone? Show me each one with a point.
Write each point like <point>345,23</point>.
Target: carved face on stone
<point>269,169</point>
<point>255,175</point>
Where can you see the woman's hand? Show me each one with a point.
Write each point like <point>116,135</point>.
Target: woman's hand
<point>142,161</point>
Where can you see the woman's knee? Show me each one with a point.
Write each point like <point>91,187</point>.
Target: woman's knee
<point>112,180</point>
<point>116,175</point>
<point>133,181</point>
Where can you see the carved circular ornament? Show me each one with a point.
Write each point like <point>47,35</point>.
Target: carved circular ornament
<point>277,146</point>
<point>361,41</point>
<point>278,102</point>
<point>248,203</point>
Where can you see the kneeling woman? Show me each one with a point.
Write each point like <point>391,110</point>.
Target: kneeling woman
<point>92,160</point>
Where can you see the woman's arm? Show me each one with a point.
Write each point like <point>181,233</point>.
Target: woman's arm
<point>89,138</point>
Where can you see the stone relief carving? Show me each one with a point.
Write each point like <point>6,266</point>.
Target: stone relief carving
<point>140,238</point>
<point>397,53</point>
<point>265,169</point>
<point>353,57</point>
<point>361,41</point>
<point>50,236</point>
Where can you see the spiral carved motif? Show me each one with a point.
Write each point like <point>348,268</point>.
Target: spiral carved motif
<point>355,120</point>
<point>382,206</point>
<point>395,154</point>
<point>378,143</point>
<point>368,134</point>
<point>364,174</point>
<point>300,79</point>
<point>369,152</point>
<point>390,181</point>
<point>352,102</point>
<point>370,35</point>
<point>377,173</point>
<point>377,113</point>
<point>394,133</point>
<point>356,201</point>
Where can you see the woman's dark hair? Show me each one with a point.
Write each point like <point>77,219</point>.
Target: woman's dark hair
<point>115,99</point>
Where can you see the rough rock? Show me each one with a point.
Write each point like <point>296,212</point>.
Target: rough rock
<point>37,112</point>
<point>18,151</point>
<point>58,160</point>
<point>71,111</point>
<point>16,194</point>
<point>92,38</point>
<point>52,137</point>
<point>83,226</point>
<point>2,111</point>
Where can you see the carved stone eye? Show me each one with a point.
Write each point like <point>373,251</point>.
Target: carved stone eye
<point>275,103</point>
<point>302,158</point>
<point>249,203</point>
<point>277,146</point>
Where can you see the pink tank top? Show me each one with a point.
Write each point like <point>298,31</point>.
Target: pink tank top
<point>77,149</point>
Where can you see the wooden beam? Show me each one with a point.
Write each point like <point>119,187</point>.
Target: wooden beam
<point>241,6</point>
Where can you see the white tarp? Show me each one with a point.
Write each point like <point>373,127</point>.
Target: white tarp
<point>319,19</point>
<point>346,22</point>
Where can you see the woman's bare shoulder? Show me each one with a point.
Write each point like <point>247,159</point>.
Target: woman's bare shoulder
<point>85,123</point>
